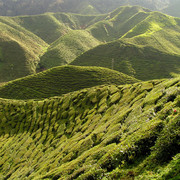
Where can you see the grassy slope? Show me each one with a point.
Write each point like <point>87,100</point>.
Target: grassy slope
<point>46,26</point>
<point>51,26</point>
<point>159,31</point>
<point>118,23</point>
<point>65,49</point>
<point>61,80</point>
<point>141,62</point>
<point>20,50</point>
<point>110,132</point>
<point>149,49</point>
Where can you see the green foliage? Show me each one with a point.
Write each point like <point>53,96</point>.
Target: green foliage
<point>103,132</point>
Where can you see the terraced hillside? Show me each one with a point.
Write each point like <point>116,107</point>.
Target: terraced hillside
<point>141,62</point>
<point>62,80</point>
<point>104,132</point>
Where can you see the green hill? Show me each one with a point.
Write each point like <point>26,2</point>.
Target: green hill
<point>23,40</point>
<point>67,48</point>
<point>61,80</point>
<point>143,63</point>
<point>118,22</point>
<point>19,50</point>
<point>150,48</point>
<point>29,44</point>
<point>104,132</point>
<point>45,26</point>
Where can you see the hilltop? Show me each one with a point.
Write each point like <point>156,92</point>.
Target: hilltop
<point>103,132</point>
<point>61,80</point>
<point>65,49</point>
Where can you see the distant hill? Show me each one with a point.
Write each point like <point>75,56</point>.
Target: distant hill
<point>30,7</point>
<point>104,132</point>
<point>140,62</point>
<point>61,80</point>
<point>24,39</point>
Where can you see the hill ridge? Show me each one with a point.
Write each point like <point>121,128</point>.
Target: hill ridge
<point>61,80</point>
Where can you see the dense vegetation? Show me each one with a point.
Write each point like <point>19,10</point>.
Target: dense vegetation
<point>86,122</point>
<point>61,80</point>
<point>19,50</point>
<point>65,49</point>
<point>104,132</point>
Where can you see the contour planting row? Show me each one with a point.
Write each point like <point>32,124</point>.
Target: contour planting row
<point>93,133</point>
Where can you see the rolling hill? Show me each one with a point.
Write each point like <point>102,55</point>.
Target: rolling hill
<point>103,132</point>
<point>143,63</point>
<point>150,48</point>
<point>65,49</point>
<point>61,80</point>
<point>24,39</point>
<point>30,44</point>
<point>19,50</point>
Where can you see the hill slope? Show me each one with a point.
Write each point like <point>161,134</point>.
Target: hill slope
<point>23,40</point>
<point>143,63</point>
<point>65,49</point>
<point>55,39</point>
<point>147,49</point>
<point>19,50</point>
<point>110,132</point>
<point>61,80</point>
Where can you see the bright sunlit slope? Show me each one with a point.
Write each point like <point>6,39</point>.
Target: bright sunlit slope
<point>65,49</point>
<point>61,80</point>
<point>104,132</point>
<point>142,40</point>
<point>149,50</point>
